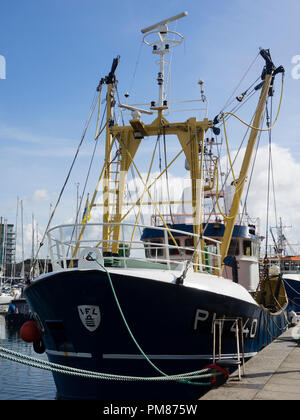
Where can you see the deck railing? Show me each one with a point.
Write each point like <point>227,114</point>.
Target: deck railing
<point>69,248</point>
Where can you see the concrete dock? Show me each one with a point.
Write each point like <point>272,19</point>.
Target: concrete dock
<point>273,374</point>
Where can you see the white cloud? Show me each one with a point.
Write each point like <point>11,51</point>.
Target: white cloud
<point>286,178</point>
<point>286,174</point>
<point>41,195</point>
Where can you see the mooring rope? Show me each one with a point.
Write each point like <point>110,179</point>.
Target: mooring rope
<point>58,368</point>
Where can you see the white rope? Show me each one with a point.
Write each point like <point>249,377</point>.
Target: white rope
<point>58,368</point>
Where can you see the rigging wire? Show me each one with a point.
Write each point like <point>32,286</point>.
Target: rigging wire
<point>188,262</point>
<point>144,192</point>
<point>168,84</point>
<point>92,109</point>
<point>272,175</point>
<point>228,171</point>
<point>274,195</point>
<point>131,169</point>
<point>136,66</point>
<point>249,183</point>
<point>269,123</point>
<point>252,170</point>
<point>239,84</point>
<point>238,106</point>
<point>276,118</point>
<point>166,169</point>
<point>90,165</point>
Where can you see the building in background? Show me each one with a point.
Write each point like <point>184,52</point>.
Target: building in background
<point>7,244</point>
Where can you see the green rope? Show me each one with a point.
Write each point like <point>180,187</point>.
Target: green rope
<point>132,336</point>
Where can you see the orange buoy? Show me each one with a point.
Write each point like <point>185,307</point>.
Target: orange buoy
<point>30,332</point>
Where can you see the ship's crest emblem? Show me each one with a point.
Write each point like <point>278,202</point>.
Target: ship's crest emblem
<point>90,316</point>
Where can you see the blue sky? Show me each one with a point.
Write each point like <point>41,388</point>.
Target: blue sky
<point>56,51</point>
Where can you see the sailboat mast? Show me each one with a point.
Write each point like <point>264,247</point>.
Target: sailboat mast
<point>22,240</point>
<point>13,271</point>
<point>270,72</point>
<point>32,239</point>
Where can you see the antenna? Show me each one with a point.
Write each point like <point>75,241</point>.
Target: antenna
<point>161,46</point>
<point>164,22</point>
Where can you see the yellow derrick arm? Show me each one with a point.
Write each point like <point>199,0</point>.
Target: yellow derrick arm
<point>269,74</point>
<point>240,182</point>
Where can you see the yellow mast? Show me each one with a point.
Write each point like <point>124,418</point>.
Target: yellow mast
<point>110,81</point>
<point>107,171</point>
<point>269,74</point>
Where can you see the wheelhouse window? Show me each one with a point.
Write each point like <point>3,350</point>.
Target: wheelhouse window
<point>174,251</point>
<point>189,243</point>
<point>255,249</point>
<point>153,251</point>
<point>247,249</point>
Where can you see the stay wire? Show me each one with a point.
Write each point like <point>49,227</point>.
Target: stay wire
<point>269,123</point>
<point>92,109</point>
<point>167,176</point>
<point>136,67</point>
<point>242,215</point>
<point>239,84</point>
<point>88,175</point>
<point>238,106</point>
<point>207,223</point>
<point>272,174</point>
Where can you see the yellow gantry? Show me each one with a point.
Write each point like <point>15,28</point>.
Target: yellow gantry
<point>191,137</point>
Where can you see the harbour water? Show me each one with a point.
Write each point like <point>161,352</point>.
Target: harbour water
<point>18,381</point>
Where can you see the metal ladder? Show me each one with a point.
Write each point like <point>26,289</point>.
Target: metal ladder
<point>238,333</point>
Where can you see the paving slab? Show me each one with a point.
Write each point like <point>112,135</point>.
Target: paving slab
<point>273,374</point>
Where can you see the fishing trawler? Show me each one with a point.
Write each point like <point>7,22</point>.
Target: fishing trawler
<point>144,298</point>
<point>286,260</point>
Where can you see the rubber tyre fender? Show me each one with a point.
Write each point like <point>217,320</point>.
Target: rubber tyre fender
<point>39,346</point>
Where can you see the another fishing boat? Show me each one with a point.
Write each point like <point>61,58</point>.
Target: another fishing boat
<point>144,299</point>
<point>285,259</point>
<point>18,313</point>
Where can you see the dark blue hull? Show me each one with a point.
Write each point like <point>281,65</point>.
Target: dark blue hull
<point>292,288</point>
<point>171,323</point>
